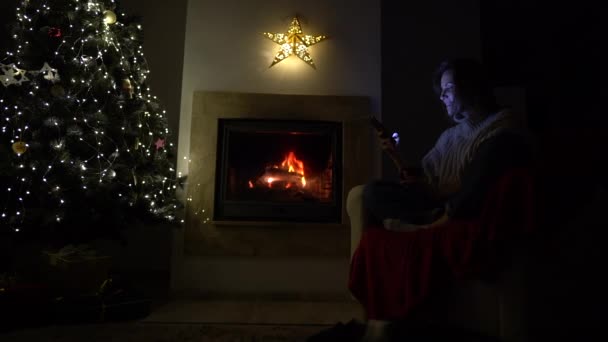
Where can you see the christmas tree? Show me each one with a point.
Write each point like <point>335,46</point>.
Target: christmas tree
<point>85,146</point>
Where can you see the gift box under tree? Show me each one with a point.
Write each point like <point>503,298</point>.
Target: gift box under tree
<point>76,269</point>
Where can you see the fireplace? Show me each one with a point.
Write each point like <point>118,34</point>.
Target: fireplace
<point>278,170</point>
<point>227,127</point>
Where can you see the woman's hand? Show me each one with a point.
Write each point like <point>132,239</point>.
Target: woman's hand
<point>396,225</point>
<point>387,143</point>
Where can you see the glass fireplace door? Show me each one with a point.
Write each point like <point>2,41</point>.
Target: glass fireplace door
<point>271,170</point>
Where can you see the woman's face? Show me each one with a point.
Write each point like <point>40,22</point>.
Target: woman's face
<point>448,95</point>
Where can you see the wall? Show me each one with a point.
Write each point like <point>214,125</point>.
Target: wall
<point>417,36</point>
<point>225,51</point>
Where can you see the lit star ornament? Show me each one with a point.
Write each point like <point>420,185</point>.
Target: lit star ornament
<point>294,42</point>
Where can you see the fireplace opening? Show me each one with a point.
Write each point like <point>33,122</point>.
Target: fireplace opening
<point>277,170</point>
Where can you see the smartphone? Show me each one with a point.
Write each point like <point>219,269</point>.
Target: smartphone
<point>383,132</point>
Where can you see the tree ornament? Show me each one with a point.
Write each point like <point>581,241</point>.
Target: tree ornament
<point>160,143</point>
<point>111,173</point>
<point>12,75</point>
<point>49,73</point>
<point>93,6</point>
<point>74,130</point>
<point>55,32</point>
<point>58,144</point>
<point>19,147</point>
<point>109,17</point>
<point>86,60</point>
<point>57,90</point>
<point>127,88</point>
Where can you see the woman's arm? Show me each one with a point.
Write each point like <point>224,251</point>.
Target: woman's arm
<point>493,157</point>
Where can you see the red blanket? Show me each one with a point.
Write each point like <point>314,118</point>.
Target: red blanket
<point>392,273</point>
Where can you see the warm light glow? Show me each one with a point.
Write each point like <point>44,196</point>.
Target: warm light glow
<point>82,44</point>
<point>294,165</point>
<point>109,17</point>
<point>294,42</point>
<point>288,174</point>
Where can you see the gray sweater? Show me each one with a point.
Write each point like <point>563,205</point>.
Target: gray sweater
<point>445,163</point>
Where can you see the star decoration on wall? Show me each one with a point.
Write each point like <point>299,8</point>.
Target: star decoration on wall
<point>294,42</point>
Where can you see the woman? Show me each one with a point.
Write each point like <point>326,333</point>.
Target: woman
<point>483,142</point>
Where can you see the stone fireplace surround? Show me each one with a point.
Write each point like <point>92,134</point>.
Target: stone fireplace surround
<point>203,237</point>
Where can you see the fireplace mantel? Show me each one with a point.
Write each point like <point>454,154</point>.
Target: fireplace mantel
<point>206,237</point>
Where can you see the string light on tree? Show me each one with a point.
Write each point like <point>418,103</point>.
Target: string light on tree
<point>73,116</point>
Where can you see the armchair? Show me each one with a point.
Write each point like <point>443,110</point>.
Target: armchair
<point>466,274</point>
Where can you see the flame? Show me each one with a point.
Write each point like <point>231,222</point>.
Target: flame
<point>292,164</point>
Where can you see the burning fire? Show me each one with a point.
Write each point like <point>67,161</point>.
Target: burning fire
<point>290,172</point>
<point>292,164</point>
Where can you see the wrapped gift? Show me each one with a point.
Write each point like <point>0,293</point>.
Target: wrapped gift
<point>119,304</point>
<point>76,270</point>
<point>122,302</point>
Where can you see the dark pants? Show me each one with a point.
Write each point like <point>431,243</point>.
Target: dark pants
<point>411,203</point>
